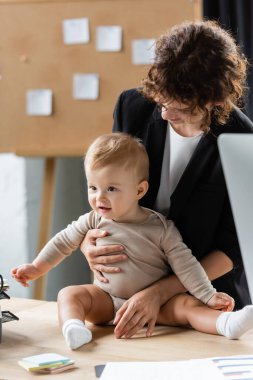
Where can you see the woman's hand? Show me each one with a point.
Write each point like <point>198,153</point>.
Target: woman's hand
<point>143,307</point>
<point>139,310</point>
<point>101,258</point>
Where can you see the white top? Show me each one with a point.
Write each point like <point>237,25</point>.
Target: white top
<point>177,153</point>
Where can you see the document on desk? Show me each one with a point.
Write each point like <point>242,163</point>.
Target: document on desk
<point>217,368</point>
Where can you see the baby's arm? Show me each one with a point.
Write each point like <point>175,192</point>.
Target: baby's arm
<point>56,250</point>
<point>28,272</point>
<point>190,272</point>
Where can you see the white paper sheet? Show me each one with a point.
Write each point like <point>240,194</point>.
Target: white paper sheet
<point>159,371</point>
<point>39,102</point>
<point>76,31</point>
<point>108,38</point>
<point>143,51</point>
<point>233,367</point>
<point>86,86</point>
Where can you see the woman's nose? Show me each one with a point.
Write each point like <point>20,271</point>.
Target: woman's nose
<point>169,112</point>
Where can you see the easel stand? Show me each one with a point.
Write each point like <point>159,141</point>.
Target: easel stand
<point>45,218</point>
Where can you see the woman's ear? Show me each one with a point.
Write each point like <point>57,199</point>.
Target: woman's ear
<point>142,188</point>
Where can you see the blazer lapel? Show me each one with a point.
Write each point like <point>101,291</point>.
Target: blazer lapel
<point>155,142</point>
<point>195,168</point>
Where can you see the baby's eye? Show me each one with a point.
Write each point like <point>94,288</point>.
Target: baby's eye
<point>92,188</point>
<point>111,188</point>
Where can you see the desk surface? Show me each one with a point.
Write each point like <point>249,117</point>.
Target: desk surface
<point>37,332</point>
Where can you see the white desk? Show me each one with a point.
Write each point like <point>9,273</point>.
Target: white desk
<point>37,332</point>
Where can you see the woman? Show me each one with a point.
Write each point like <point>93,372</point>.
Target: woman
<point>190,96</point>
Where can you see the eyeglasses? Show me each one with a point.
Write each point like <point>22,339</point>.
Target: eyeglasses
<point>166,107</point>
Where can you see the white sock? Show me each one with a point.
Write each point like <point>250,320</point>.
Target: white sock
<point>75,333</point>
<point>234,324</point>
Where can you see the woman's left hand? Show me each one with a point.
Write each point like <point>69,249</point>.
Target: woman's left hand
<point>139,310</point>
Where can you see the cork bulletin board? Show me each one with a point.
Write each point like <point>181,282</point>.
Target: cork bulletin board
<point>34,56</point>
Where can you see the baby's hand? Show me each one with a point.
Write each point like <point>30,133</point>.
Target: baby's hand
<point>221,301</point>
<point>25,273</point>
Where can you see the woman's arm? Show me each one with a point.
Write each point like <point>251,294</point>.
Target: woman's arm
<point>143,307</point>
<point>216,264</point>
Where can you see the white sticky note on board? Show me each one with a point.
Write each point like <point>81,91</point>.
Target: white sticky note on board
<point>86,86</point>
<point>39,102</point>
<point>108,38</point>
<point>143,51</point>
<point>76,31</point>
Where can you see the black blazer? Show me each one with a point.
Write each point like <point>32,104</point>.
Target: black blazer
<point>200,205</point>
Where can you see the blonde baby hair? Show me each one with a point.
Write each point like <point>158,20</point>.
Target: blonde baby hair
<point>120,149</point>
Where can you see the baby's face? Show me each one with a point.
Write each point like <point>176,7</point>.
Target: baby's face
<point>113,192</point>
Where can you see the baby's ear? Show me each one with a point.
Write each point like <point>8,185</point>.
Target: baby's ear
<point>142,188</point>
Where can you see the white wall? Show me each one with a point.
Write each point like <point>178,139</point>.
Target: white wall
<point>20,194</point>
<point>13,219</point>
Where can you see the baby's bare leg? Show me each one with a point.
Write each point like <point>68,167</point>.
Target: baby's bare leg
<point>185,310</point>
<point>79,303</point>
<point>85,302</point>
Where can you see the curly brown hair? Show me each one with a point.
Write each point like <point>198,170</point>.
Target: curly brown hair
<point>198,63</point>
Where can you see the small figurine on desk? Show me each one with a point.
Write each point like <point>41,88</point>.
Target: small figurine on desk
<point>117,169</point>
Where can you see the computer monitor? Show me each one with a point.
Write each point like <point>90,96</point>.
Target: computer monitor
<point>236,151</point>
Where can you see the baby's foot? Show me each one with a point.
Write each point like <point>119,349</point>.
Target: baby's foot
<point>76,333</point>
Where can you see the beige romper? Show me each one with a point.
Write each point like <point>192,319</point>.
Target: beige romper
<point>154,247</point>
